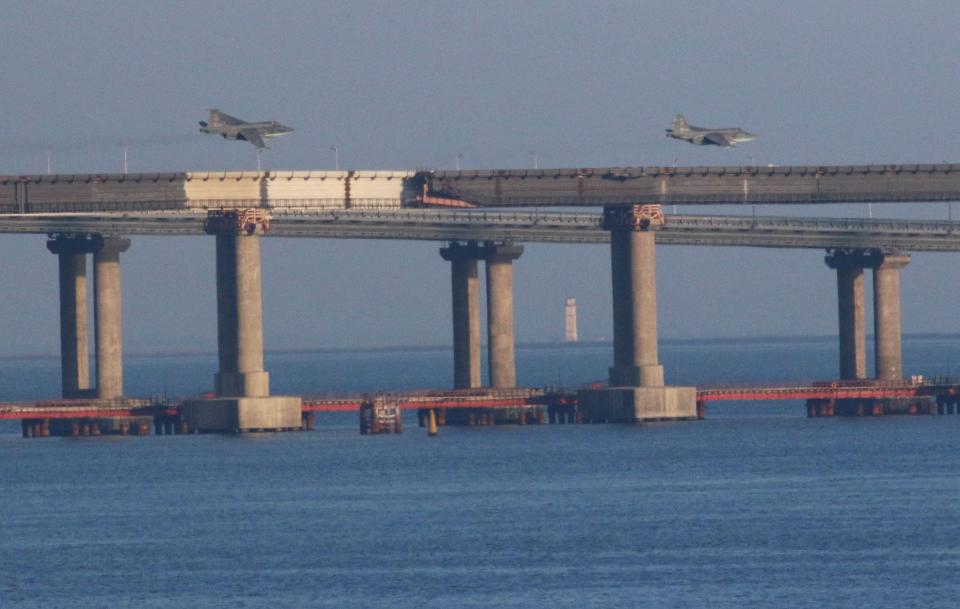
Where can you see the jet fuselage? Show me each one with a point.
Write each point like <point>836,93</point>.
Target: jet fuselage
<point>724,136</point>
<point>232,128</point>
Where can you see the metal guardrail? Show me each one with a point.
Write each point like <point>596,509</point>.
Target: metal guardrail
<point>39,408</point>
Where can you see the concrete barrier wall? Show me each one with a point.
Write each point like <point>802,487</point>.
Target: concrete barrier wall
<point>390,189</point>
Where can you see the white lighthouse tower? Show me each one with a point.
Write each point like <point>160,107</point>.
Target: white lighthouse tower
<point>570,321</point>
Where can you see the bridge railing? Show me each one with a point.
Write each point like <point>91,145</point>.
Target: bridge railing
<point>85,404</point>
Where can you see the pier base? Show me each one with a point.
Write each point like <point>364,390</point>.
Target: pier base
<point>636,404</point>
<point>243,415</point>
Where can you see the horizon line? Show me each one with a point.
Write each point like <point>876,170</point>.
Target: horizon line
<point>520,345</point>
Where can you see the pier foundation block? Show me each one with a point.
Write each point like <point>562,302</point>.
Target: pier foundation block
<point>637,404</point>
<point>243,414</point>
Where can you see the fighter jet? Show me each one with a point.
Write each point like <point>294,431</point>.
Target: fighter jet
<point>730,136</point>
<point>231,128</point>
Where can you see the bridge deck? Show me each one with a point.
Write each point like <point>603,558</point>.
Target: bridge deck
<point>530,227</point>
<point>484,188</point>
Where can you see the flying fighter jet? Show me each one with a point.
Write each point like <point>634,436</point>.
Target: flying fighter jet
<point>731,136</point>
<point>231,128</point>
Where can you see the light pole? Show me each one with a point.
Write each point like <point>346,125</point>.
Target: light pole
<point>49,160</point>
<point>459,158</point>
<point>536,163</point>
<point>336,157</point>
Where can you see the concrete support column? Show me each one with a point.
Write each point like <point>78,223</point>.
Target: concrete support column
<point>888,354</point>
<point>500,331</point>
<point>849,264</point>
<point>636,391</point>
<point>74,342</point>
<point>243,402</point>
<point>107,311</point>
<point>633,266</point>
<point>466,312</point>
<point>240,317</point>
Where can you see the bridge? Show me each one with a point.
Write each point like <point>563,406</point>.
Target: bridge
<point>92,215</point>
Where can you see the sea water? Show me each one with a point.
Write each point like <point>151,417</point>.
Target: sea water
<point>757,506</point>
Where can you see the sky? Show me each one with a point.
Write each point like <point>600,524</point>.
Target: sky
<point>413,84</point>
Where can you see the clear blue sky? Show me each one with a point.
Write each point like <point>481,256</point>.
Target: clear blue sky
<point>402,85</point>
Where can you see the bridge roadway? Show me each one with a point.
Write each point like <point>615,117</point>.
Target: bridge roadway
<point>522,226</point>
<point>274,190</point>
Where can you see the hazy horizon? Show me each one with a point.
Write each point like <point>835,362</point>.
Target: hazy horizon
<point>547,344</point>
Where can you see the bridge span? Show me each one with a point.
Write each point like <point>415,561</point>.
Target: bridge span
<point>520,226</point>
<point>91,214</point>
<point>481,188</point>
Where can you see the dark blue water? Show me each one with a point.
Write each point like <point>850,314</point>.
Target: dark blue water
<point>757,506</point>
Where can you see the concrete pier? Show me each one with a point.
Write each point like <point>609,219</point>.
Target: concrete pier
<point>633,267</point>
<point>849,264</point>
<point>636,390</point>
<point>888,353</point>
<point>240,318</point>
<point>107,315</point>
<point>500,329</point>
<point>243,401</point>
<point>466,311</point>
<point>72,251</point>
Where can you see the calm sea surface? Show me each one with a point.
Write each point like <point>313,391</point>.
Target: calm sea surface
<point>757,506</point>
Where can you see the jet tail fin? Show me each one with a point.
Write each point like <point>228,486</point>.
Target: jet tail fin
<point>680,123</point>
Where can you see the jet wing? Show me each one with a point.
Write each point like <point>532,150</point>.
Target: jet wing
<point>254,137</point>
<point>718,139</point>
<point>226,119</point>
